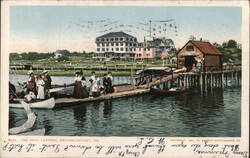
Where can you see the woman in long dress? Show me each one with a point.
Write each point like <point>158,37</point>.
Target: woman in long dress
<point>95,87</point>
<point>40,88</point>
<point>78,89</point>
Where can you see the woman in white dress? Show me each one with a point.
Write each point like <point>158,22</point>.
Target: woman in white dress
<point>40,88</point>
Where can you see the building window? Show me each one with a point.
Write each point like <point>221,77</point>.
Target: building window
<point>121,49</point>
<point>148,49</point>
<point>103,44</point>
<point>117,49</point>
<point>112,49</point>
<point>121,44</point>
<point>98,44</point>
<point>126,49</point>
<point>190,48</point>
<point>134,44</point>
<point>97,39</point>
<point>144,49</point>
<point>112,39</point>
<point>102,39</point>
<point>134,49</point>
<point>127,39</point>
<point>130,44</point>
<point>107,44</point>
<point>121,39</point>
<point>107,39</point>
<point>116,39</point>
<point>117,44</point>
<point>112,44</point>
<point>103,49</point>
<point>126,44</point>
<point>107,49</point>
<point>98,49</point>
<point>139,49</point>
<point>130,49</point>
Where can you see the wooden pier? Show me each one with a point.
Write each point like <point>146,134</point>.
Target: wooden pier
<point>61,101</point>
<point>203,80</point>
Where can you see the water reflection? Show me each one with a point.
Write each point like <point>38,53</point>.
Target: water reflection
<point>107,108</point>
<point>79,114</point>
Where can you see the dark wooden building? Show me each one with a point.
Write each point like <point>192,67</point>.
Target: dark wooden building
<point>193,52</point>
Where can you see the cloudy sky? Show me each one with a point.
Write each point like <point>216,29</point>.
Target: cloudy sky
<point>49,28</point>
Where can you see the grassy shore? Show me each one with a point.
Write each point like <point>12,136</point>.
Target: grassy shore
<point>70,72</point>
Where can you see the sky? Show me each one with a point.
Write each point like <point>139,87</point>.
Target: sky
<point>50,28</point>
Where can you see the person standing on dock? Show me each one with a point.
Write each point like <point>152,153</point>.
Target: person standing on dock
<point>40,88</point>
<point>31,87</point>
<point>95,85</point>
<point>78,89</point>
<point>84,85</point>
<point>105,83</point>
<point>109,80</point>
<point>47,80</point>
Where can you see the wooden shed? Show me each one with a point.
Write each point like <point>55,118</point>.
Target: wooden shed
<point>193,52</point>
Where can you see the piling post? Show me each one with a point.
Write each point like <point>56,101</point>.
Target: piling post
<point>200,79</point>
<point>205,82</point>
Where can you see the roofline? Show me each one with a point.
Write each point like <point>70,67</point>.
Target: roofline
<point>199,48</point>
<point>114,32</point>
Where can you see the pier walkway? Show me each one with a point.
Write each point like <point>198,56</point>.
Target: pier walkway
<point>62,101</point>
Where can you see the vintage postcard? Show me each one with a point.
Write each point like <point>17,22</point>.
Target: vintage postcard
<point>125,79</point>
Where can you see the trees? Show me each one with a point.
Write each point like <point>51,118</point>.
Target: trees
<point>231,51</point>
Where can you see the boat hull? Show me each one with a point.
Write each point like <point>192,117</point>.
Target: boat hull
<point>45,104</point>
<point>165,92</point>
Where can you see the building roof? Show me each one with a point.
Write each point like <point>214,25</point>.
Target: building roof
<point>204,47</point>
<point>159,41</point>
<point>115,34</point>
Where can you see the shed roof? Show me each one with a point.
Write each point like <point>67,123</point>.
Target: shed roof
<point>204,47</point>
<point>115,34</point>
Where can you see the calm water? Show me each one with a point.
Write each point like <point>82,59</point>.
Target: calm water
<point>214,114</point>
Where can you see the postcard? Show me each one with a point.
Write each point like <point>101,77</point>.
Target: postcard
<point>125,79</point>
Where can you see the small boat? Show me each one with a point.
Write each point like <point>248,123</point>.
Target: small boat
<point>43,104</point>
<point>176,90</point>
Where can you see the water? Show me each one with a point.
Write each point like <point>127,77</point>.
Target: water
<point>192,114</point>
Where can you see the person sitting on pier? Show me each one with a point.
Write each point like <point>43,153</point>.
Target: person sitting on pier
<point>31,87</point>
<point>47,80</point>
<point>109,80</point>
<point>40,88</point>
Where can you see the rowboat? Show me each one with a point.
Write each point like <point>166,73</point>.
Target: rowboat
<point>169,91</point>
<point>44,104</point>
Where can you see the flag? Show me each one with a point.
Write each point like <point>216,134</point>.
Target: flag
<point>164,55</point>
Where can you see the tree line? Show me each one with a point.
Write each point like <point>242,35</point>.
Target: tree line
<point>231,50</point>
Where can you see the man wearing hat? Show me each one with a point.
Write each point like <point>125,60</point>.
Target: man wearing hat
<point>47,85</point>
<point>31,83</point>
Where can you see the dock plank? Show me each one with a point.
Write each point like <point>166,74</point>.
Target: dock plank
<point>102,97</point>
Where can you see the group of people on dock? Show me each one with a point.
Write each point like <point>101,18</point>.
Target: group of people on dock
<point>82,91</point>
<point>38,86</point>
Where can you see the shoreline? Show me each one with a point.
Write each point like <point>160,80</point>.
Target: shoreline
<point>70,72</point>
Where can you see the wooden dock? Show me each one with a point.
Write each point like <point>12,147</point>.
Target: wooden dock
<point>61,101</point>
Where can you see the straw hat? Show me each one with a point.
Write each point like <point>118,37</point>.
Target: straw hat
<point>30,72</point>
<point>45,71</point>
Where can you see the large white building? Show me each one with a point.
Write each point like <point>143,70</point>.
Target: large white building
<point>116,46</point>
<point>122,46</point>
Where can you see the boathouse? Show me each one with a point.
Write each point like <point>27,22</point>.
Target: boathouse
<point>193,52</point>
